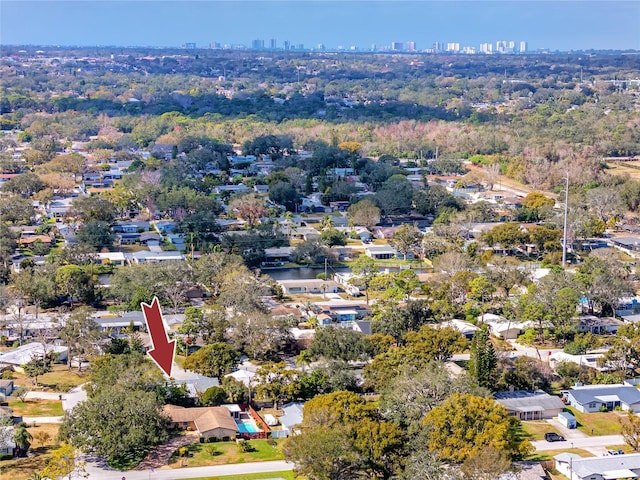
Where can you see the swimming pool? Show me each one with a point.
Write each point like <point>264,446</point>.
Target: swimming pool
<point>247,427</point>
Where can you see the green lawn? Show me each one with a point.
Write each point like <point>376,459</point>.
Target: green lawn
<point>604,423</point>
<point>535,429</point>
<point>59,379</point>
<point>549,454</point>
<point>44,441</point>
<point>222,453</point>
<point>37,408</point>
<point>285,475</point>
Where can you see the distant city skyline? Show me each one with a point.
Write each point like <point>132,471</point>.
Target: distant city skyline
<point>553,25</point>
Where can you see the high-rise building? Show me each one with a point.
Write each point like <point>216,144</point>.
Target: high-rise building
<point>273,44</point>
<point>486,48</point>
<point>453,47</point>
<point>438,47</point>
<point>257,44</point>
<point>523,47</point>
<point>190,46</point>
<point>397,46</point>
<point>286,45</point>
<point>411,46</point>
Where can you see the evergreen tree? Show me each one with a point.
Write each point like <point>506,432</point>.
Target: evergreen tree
<point>483,360</point>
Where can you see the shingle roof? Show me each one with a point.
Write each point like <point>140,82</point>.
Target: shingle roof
<point>589,393</point>
<point>527,401</point>
<point>584,467</point>
<point>205,418</point>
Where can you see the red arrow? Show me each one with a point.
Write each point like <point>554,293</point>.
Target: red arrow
<point>163,350</point>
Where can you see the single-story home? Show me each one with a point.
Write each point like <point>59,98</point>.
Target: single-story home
<point>311,285</point>
<point>292,417</point>
<point>589,359</point>
<point>156,257</point>
<point>26,353</point>
<point>209,422</point>
<point>612,467</point>
<point>7,445</point>
<point>467,329</point>
<point>6,388</point>
<point>594,398</point>
<point>502,327</point>
<point>114,258</point>
<point>380,252</point>
<point>530,404</point>
<point>278,254</point>
<point>598,325</point>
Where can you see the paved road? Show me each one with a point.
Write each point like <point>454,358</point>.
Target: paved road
<point>584,443</point>
<point>99,473</point>
<point>39,420</point>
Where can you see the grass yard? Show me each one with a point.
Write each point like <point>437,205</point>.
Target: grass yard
<point>44,440</point>
<point>60,378</point>
<point>625,448</point>
<point>285,475</point>
<point>549,454</point>
<point>223,453</point>
<point>535,429</point>
<point>605,423</point>
<point>37,408</point>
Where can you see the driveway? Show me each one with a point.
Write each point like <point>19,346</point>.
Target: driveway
<point>159,456</point>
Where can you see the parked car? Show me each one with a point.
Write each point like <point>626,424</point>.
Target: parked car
<point>553,437</point>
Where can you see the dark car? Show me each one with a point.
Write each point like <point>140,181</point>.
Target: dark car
<point>553,437</point>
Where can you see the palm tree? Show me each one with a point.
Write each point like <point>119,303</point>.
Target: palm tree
<point>22,438</point>
<point>303,360</point>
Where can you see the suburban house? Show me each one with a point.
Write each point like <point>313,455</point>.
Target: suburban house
<point>277,255</point>
<point>575,467</point>
<point>26,353</point>
<point>209,422</point>
<point>7,445</point>
<point>598,325</point>
<point>156,257</point>
<point>115,258</point>
<point>530,404</point>
<point>501,327</point>
<point>6,388</point>
<point>589,359</point>
<point>467,329</point>
<point>594,398</point>
<point>292,417</point>
<point>311,285</point>
<point>382,252</point>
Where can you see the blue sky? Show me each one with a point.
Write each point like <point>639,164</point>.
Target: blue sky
<point>558,25</point>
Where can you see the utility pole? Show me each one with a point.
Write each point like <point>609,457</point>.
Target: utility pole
<point>566,214</point>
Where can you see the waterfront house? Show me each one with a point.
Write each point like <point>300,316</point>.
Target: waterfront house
<point>311,285</point>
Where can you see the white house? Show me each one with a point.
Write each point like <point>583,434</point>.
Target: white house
<point>311,285</point>
<point>156,257</point>
<point>575,467</point>
<point>594,398</point>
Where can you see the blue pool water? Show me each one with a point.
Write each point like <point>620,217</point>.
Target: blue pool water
<point>247,428</point>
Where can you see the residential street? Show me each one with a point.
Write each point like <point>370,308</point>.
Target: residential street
<point>595,445</point>
<point>99,473</point>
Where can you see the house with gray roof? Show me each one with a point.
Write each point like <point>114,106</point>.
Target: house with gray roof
<point>592,398</point>
<point>292,416</point>
<point>530,404</point>
<point>611,467</point>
